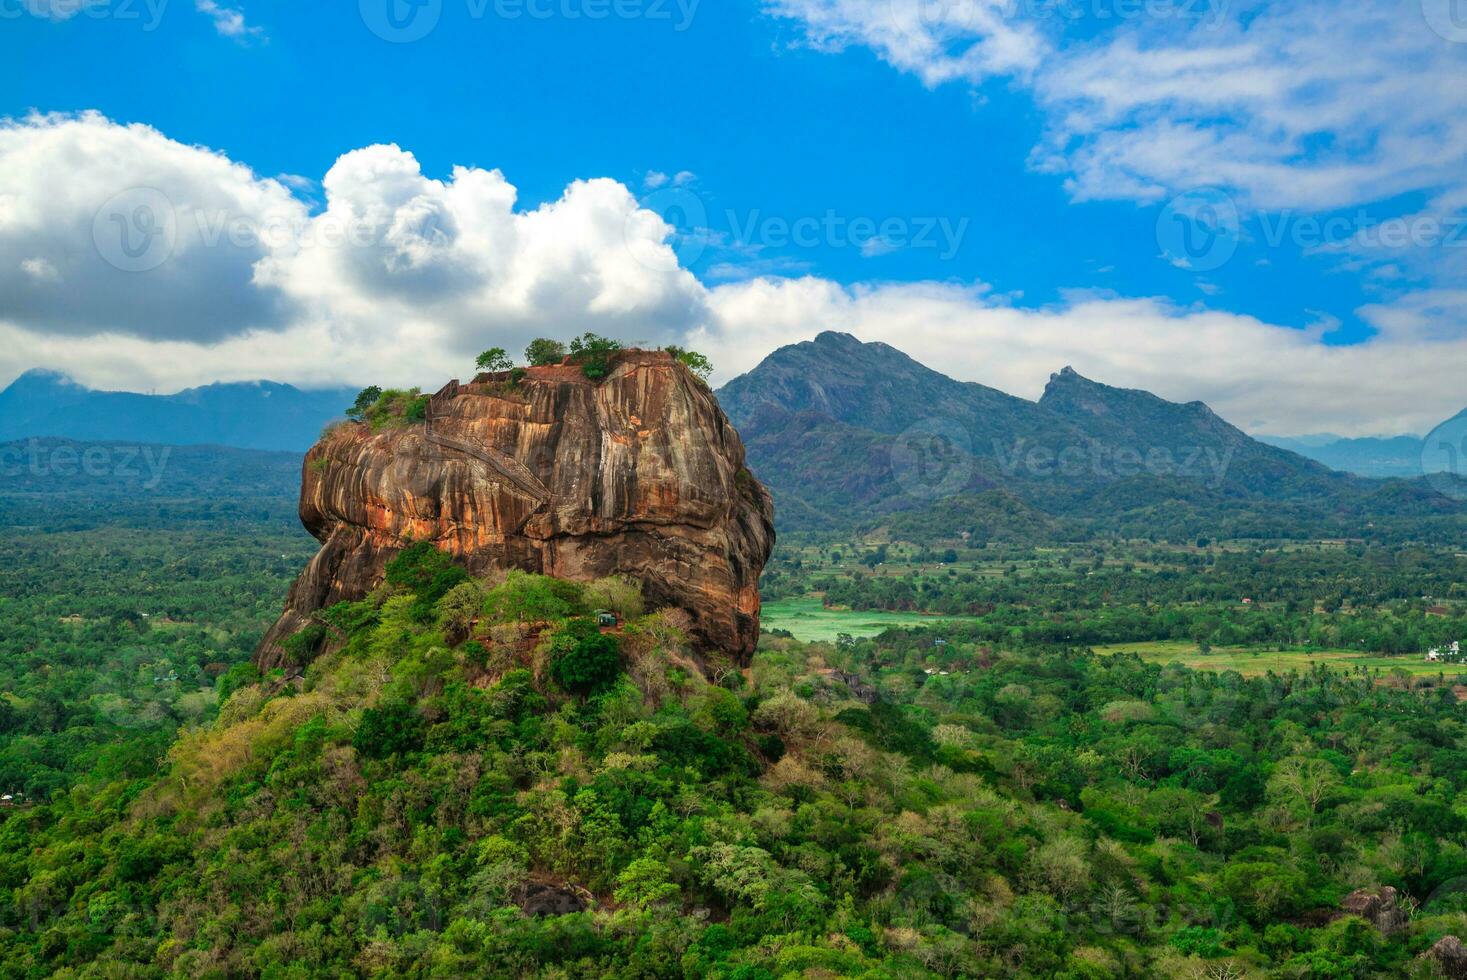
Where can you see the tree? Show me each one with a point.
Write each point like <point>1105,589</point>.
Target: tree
<point>394,727</point>
<point>494,360</point>
<point>544,352</point>
<point>365,400</point>
<point>644,882</point>
<point>695,362</point>
<point>589,662</point>
<point>1304,782</point>
<point>593,353</point>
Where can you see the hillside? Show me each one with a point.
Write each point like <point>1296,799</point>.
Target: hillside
<point>257,415</point>
<point>479,782</point>
<point>846,434</point>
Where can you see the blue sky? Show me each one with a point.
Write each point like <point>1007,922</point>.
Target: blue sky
<point>1033,166</point>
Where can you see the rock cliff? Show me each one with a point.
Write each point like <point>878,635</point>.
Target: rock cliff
<point>638,474</point>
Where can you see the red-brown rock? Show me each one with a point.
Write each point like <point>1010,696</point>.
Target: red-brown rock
<point>639,474</point>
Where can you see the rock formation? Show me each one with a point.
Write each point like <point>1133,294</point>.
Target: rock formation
<point>638,474</point>
<point>1378,906</point>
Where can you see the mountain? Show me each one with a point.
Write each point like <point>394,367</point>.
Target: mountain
<point>1398,456</point>
<point>1383,456</point>
<point>253,415</point>
<point>847,433</point>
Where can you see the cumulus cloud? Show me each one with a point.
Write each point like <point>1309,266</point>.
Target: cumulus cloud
<point>157,241</point>
<point>399,277</point>
<point>130,241</point>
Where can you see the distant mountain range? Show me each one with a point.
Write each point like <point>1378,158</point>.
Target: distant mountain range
<point>253,415</point>
<point>846,432</point>
<point>856,435</point>
<point>1372,456</point>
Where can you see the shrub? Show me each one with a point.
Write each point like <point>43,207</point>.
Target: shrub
<point>693,361</point>
<point>526,598</point>
<point>426,572</point>
<point>593,353</point>
<point>393,407</point>
<point>586,660</point>
<point>365,400</point>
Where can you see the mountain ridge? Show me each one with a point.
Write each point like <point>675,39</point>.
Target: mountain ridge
<point>262,415</point>
<point>1114,458</point>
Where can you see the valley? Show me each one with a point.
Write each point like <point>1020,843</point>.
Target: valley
<point>979,734</point>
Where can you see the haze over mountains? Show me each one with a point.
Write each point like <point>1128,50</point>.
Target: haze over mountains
<point>1378,456</point>
<point>251,415</point>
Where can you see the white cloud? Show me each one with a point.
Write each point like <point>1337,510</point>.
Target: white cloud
<point>1292,104</point>
<point>225,273</point>
<point>40,270</point>
<point>108,205</point>
<point>942,41</point>
<point>1286,103</point>
<point>228,21</point>
<point>400,278</point>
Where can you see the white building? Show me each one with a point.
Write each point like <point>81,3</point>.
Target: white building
<point>1452,654</point>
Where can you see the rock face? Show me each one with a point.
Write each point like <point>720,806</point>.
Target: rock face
<point>638,474</point>
<point>1378,906</point>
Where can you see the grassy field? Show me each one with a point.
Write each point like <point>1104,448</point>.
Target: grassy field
<point>1253,662</point>
<point>809,621</point>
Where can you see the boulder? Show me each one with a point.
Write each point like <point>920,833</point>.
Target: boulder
<point>638,474</point>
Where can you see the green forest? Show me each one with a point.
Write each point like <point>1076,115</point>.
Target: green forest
<point>474,779</point>
<point>479,777</point>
